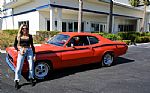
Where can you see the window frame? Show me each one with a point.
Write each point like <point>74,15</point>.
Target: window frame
<point>90,41</point>
<point>23,22</point>
<point>83,36</point>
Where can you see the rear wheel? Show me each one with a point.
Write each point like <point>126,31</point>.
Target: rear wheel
<point>108,59</point>
<point>42,70</point>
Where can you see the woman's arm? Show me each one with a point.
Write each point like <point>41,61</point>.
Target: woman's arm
<point>15,44</point>
<point>32,46</point>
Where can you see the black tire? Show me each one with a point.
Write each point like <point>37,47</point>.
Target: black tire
<point>107,59</point>
<point>42,70</point>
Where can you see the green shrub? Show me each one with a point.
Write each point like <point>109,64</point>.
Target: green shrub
<point>143,39</point>
<point>42,35</point>
<point>46,33</point>
<point>11,31</point>
<point>123,35</point>
<point>102,33</point>
<point>113,36</point>
<point>127,41</point>
<point>147,33</point>
<point>6,40</point>
<point>129,35</point>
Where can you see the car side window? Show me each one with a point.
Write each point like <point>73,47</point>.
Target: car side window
<point>78,41</point>
<point>93,40</point>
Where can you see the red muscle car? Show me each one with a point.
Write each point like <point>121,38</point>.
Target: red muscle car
<point>68,49</point>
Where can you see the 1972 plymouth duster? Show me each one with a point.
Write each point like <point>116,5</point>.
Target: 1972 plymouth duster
<point>68,49</point>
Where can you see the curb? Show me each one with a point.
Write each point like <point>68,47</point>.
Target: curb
<point>2,51</point>
<point>137,44</point>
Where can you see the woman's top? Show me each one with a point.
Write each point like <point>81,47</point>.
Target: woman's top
<point>24,43</point>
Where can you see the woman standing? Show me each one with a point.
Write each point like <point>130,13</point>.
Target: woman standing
<point>24,46</point>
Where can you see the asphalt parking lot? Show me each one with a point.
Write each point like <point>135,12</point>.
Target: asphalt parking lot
<point>130,74</point>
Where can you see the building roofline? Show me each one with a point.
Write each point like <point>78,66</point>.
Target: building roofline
<point>93,11</point>
<point>67,7</point>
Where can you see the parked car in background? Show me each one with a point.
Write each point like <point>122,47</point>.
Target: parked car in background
<point>68,49</point>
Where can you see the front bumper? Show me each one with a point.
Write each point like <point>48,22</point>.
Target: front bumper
<point>9,63</point>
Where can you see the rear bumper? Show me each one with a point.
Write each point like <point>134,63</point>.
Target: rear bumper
<point>9,63</point>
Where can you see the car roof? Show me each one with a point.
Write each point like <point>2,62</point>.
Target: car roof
<point>78,33</point>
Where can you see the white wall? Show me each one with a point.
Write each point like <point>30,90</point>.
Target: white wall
<point>37,19</point>
<point>33,18</point>
<point>43,17</point>
<point>122,1</point>
<point>1,3</point>
<point>99,6</point>
<point>127,11</point>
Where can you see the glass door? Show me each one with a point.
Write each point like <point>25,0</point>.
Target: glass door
<point>71,26</point>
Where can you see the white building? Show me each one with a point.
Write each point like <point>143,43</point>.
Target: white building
<point>62,15</point>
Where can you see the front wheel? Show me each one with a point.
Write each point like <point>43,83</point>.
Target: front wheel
<point>42,70</point>
<point>107,59</point>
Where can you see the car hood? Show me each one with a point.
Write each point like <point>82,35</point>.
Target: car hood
<point>41,48</point>
<point>48,48</point>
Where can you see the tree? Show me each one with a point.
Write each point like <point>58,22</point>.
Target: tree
<point>110,16</point>
<point>137,3</point>
<point>110,13</point>
<point>80,14</point>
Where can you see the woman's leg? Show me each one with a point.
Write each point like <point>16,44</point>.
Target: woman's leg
<point>20,61</point>
<point>31,63</point>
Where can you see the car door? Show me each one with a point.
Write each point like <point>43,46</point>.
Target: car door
<point>78,52</point>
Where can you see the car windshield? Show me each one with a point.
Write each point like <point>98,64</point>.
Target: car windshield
<point>58,40</point>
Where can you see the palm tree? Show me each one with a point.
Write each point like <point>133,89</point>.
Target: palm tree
<point>137,3</point>
<point>110,16</point>
<point>80,16</point>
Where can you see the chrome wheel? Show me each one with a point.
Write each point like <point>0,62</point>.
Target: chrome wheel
<point>108,59</point>
<point>42,70</point>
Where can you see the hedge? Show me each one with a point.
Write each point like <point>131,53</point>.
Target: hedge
<point>142,39</point>
<point>6,40</point>
<point>10,31</point>
<point>41,36</point>
<point>7,37</point>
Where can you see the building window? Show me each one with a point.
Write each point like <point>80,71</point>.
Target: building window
<point>64,28</point>
<point>75,26</point>
<point>71,26</point>
<point>149,27</point>
<point>23,22</point>
<point>125,28</point>
<point>48,25</point>
<point>98,27</point>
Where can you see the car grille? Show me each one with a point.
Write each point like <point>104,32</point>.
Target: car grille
<point>10,58</point>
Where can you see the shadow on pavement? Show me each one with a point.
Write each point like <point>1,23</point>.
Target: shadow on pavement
<point>121,60</point>
<point>69,71</point>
